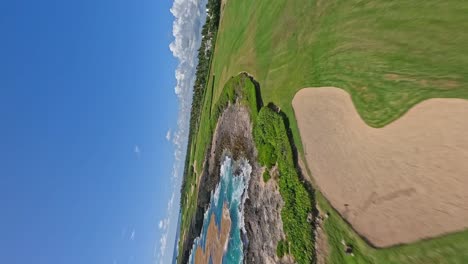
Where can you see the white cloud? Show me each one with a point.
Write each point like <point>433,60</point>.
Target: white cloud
<point>189,17</point>
<point>171,202</point>
<point>162,245</point>
<point>132,236</point>
<point>137,150</point>
<point>164,224</point>
<point>168,135</point>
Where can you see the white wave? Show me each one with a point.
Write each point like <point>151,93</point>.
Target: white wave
<point>224,178</point>
<point>246,172</point>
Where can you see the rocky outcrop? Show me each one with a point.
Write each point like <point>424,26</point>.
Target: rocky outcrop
<point>262,209</point>
<point>263,227</point>
<point>263,223</point>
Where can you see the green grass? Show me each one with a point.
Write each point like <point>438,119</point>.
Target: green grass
<point>282,248</point>
<point>266,175</point>
<point>389,55</point>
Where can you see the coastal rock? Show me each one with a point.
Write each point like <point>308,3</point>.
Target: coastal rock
<point>263,228</point>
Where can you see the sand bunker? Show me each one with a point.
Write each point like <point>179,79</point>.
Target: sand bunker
<point>397,184</point>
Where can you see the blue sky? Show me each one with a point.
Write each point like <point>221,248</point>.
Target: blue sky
<point>86,102</point>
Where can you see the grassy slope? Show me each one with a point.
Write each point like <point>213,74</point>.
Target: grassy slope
<point>388,55</point>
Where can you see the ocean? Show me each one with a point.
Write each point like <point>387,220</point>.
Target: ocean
<point>231,190</point>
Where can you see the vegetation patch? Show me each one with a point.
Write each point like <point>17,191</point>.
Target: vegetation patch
<point>273,145</point>
<point>240,88</point>
<point>282,248</point>
<point>266,175</point>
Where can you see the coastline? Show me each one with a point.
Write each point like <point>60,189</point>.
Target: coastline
<point>262,206</point>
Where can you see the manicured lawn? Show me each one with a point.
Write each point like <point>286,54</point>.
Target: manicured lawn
<point>388,54</point>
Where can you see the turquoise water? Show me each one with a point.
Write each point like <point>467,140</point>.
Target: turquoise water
<point>230,190</point>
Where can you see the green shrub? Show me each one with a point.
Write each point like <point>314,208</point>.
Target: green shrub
<point>273,146</point>
<point>266,175</point>
<point>282,248</point>
<point>240,88</point>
